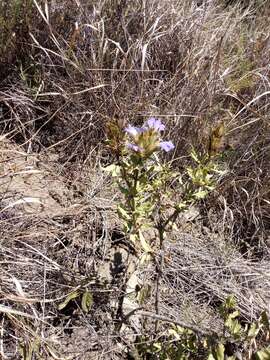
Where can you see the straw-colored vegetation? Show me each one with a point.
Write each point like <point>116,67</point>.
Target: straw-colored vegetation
<point>70,283</point>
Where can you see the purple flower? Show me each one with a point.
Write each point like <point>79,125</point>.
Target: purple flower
<point>166,145</point>
<point>134,147</point>
<point>133,130</point>
<point>155,124</point>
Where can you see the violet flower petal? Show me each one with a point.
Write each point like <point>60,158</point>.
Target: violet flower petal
<point>133,130</point>
<point>166,145</point>
<point>156,124</point>
<point>134,147</point>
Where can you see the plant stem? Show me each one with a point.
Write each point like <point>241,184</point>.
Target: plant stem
<point>159,268</point>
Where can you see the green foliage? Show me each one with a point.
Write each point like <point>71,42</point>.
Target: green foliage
<point>179,343</point>
<point>149,202</point>
<point>263,354</point>
<point>230,315</point>
<point>183,343</point>
<point>84,297</point>
<point>145,183</point>
<point>87,301</point>
<point>202,176</point>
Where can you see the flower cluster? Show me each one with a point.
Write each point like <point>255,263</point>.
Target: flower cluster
<point>146,139</point>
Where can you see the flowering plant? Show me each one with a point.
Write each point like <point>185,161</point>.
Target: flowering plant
<point>146,139</point>
<point>153,194</point>
<point>145,182</point>
<point>149,201</point>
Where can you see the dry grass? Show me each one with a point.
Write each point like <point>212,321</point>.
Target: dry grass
<point>72,67</point>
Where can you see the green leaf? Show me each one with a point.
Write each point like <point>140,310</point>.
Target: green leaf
<point>146,247</point>
<point>230,302</point>
<point>190,172</point>
<point>233,325</point>
<point>201,194</point>
<point>113,169</point>
<point>87,301</point>
<point>181,206</point>
<point>123,190</point>
<point>133,238</point>
<point>194,156</point>
<point>263,354</point>
<point>220,352</point>
<point>253,331</point>
<point>144,294</point>
<point>235,314</point>
<point>70,297</point>
<point>123,213</point>
<point>174,334</point>
<point>157,346</point>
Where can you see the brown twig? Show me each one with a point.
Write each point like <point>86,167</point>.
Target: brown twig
<point>194,328</point>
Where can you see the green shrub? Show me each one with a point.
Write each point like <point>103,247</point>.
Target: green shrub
<point>237,341</point>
